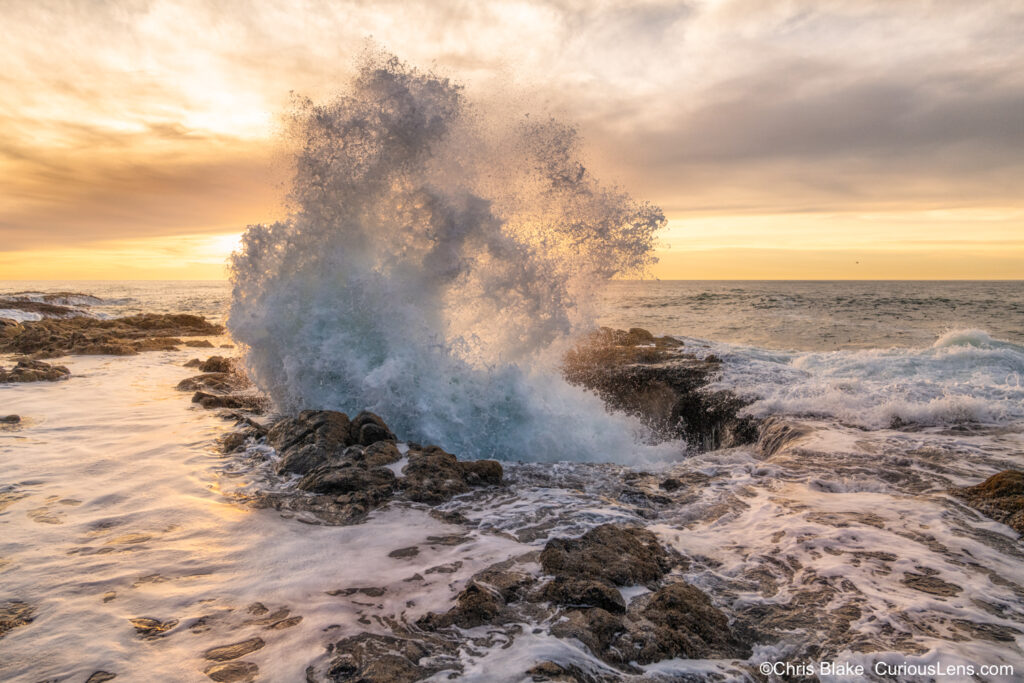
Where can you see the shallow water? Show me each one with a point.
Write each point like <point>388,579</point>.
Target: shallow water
<point>115,505</point>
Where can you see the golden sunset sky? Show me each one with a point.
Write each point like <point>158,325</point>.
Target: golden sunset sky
<point>783,138</point>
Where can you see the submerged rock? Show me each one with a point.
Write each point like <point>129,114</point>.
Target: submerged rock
<point>15,613</point>
<point>1000,497</point>
<point>373,658</point>
<point>27,370</point>
<point>654,379</point>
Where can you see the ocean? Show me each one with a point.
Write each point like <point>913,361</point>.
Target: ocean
<point>116,504</point>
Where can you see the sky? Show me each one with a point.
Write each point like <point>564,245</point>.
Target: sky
<point>784,139</point>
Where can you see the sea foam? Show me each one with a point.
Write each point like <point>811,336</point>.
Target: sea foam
<point>436,260</point>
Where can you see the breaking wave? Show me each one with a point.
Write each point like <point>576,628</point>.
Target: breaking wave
<point>436,258</point>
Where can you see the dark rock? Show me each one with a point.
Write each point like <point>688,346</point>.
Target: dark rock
<point>368,428</point>
<point>1000,497</point>
<point>252,403</point>
<point>677,621</point>
<point>10,419</point>
<point>512,585</point>
<point>27,370</point>
<point>311,438</point>
<point>595,628</point>
<point>100,677</point>
<point>372,658</point>
<point>348,478</point>
<point>434,476</point>
<point>411,551</point>
<point>214,381</point>
<point>378,454</point>
<point>199,344</point>
<point>573,592</point>
<point>655,380</point>
<point>928,583</point>
<point>478,604</point>
<point>233,672</point>
<point>224,653</point>
<point>620,554</point>
<point>13,614</point>
<point>670,484</point>
<point>194,363</point>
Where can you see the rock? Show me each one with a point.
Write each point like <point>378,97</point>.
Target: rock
<point>573,592</point>
<point>348,478</point>
<point>199,344</point>
<point>372,658</point>
<point>15,613</point>
<point>655,380</point>
<point>776,433</point>
<point>252,403</point>
<point>10,419</point>
<point>311,438</point>
<point>100,677</point>
<point>434,476</point>
<point>595,628</point>
<point>512,585</point>
<point>233,672</point>
<point>27,370</point>
<point>214,381</point>
<point>929,583</point>
<point>224,653</point>
<point>476,605</point>
<point>54,337</point>
<point>147,627</point>
<point>378,454</point>
<point>623,555</point>
<point>194,363</point>
<point>368,428</point>
<point>677,621</point>
<point>1001,497</point>
<point>670,484</point>
<point>411,551</point>
<point>216,364</point>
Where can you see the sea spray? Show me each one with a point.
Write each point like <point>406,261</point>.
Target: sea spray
<point>435,261</point>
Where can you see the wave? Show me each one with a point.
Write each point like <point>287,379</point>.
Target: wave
<point>437,257</point>
<point>966,376</point>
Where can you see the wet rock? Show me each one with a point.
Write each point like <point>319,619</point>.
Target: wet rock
<point>214,381</point>
<point>678,620</point>
<point>194,363</point>
<point>670,484</point>
<point>10,419</point>
<point>311,438</point>
<point>573,592</point>
<point>252,403</point>
<point>27,370</point>
<point>654,379</point>
<point>928,583</point>
<point>511,584</point>
<point>54,337</point>
<point>623,555</point>
<point>401,553</point>
<point>776,433</point>
<point>368,428</point>
<point>378,454</point>
<point>375,483</point>
<point>372,658</point>
<point>596,628</point>
<point>224,653</point>
<point>199,344</point>
<point>233,672</point>
<point>147,627</point>
<point>1000,497</point>
<point>15,613</point>
<point>434,476</point>
<point>100,677</point>
<point>477,604</point>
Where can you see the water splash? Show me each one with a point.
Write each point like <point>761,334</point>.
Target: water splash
<point>436,258</point>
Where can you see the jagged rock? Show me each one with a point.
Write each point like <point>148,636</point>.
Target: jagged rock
<point>147,627</point>
<point>27,370</point>
<point>510,584</point>
<point>654,379</point>
<point>434,476</point>
<point>376,483</point>
<point>574,592</point>
<point>372,658</point>
<point>216,364</point>
<point>368,428</point>
<point>15,613</point>
<point>476,605</point>
<point>1001,497</point>
<point>623,555</point>
<point>53,337</point>
<point>252,403</point>
<point>595,628</point>
<point>378,454</point>
<point>309,439</point>
<point>678,620</point>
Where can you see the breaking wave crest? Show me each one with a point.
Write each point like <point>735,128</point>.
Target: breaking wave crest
<point>436,258</point>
